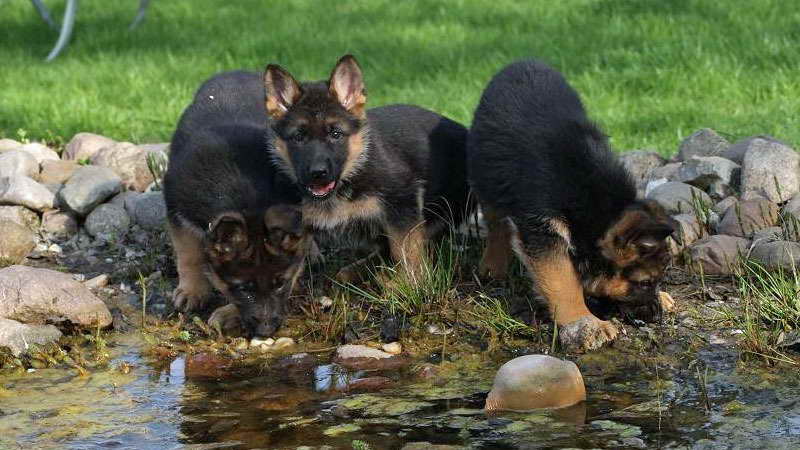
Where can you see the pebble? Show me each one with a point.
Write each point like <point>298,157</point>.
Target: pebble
<point>282,343</point>
<point>256,342</point>
<point>97,282</point>
<point>325,301</point>
<point>393,348</point>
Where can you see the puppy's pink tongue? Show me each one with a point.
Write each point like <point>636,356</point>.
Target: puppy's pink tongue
<point>323,190</point>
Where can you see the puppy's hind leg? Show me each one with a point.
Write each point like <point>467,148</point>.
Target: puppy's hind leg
<point>193,285</point>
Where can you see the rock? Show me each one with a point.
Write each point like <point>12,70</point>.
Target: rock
<point>129,162</point>
<point>666,301</point>
<point>536,381</point>
<point>83,146</point>
<point>57,172</point>
<point>768,162</point>
<point>59,226</point>
<point>18,163</point>
<point>32,295</point>
<point>20,215</point>
<point>149,210</point>
<point>737,151</point>
<point>677,197</point>
<point>705,142</point>
<point>16,241</point>
<point>640,163</point>
<point>24,191</point>
<point>18,337</point>
<point>9,144</point>
<point>369,384</point>
<point>718,255</point>
<point>393,348</point>
<point>283,343</point>
<point>256,342</point>
<point>778,254</point>
<point>722,206</point>
<point>689,229</point>
<point>107,221</point>
<point>207,365</point>
<point>126,199</point>
<point>361,357</point>
<point>40,151</point>
<point>88,187</point>
<point>668,172</point>
<point>792,209</point>
<point>769,234</point>
<point>747,217</point>
<point>718,176</point>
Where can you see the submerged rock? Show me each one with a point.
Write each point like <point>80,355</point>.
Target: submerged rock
<point>361,357</point>
<point>18,337</point>
<point>536,381</point>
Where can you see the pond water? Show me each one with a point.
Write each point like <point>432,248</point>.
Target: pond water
<point>702,401</point>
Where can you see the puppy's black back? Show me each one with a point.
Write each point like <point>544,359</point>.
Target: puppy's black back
<point>533,154</point>
<point>218,156</point>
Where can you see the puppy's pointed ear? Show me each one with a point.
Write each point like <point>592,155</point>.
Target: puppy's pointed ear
<point>638,233</point>
<point>282,91</point>
<point>346,85</point>
<point>284,225</point>
<point>228,235</point>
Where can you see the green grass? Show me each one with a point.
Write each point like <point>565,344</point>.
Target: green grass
<point>650,71</point>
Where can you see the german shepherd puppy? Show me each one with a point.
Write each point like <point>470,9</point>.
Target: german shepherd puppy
<point>234,220</point>
<point>552,190</point>
<point>398,171</point>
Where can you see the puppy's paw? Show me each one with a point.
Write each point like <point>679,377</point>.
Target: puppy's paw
<point>586,334</point>
<point>226,320</point>
<point>187,301</point>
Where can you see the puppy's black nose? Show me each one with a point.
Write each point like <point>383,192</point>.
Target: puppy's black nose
<point>319,173</point>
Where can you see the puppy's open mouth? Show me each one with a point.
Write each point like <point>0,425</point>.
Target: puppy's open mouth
<point>321,190</point>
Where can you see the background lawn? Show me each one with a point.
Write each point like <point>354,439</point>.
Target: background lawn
<point>650,71</point>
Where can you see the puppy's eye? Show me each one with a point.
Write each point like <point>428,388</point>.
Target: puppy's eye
<point>335,133</point>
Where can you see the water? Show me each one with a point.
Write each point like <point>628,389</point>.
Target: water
<point>202,402</point>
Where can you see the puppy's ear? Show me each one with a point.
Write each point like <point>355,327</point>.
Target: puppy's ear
<point>282,90</point>
<point>638,233</point>
<point>228,235</point>
<point>284,225</point>
<point>346,85</point>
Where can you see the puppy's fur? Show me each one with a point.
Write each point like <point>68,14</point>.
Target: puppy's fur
<point>554,193</point>
<point>234,220</point>
<point>397,171</point>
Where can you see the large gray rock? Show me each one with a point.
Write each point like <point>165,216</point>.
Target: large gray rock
<point>16,241</point>
<point>18,163</point>
<point>57,172</point>
<point>737,151</point>
<point>640,163</point>
<point>41,152</point>
<point>24,191</point>
<point>88,187</point>
<point>747,217</point>
<point>19,337</point>
<point>689,229</point>
<point>9,144</point>
<point>83,146</point>
<point>20,215</point>
<point>129,162</point>
<point>677,197</point>
<point>149,210</point>
<point>705,142</point>
<point>716,175</point>
<point>718,255</point>
<point>107,221</point>
<point>536,381</point>
<point>771,170</point>
<point>777,254</point>
<point>59,226</point>
<point>32,295</point>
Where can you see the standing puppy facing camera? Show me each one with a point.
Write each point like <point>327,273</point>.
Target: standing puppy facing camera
<point>234,220</point>
<point>552,190</point>
<point>396,171</point>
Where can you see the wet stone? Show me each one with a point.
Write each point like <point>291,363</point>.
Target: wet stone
<point>536,381</point>
<point>18,337</point>
<point>361,357</point>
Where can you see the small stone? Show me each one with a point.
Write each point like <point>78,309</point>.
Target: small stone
<point>88,187</point>
<point>747,217</point>
<point>283,343</point>
<point>718,255</point>
<point>536,381</point>
<point>18,337</point>
<point>772,170</point>
<point>20,215</point>
<point>18,163</point>
<point>83,146</point>
<point>666,301</point>
<point>677,197</point>
<point>778,254</point>
<point>361,357</point>
<point>107,221</point>
<point>59,226</point>
<point>97,282</point>
<point>57,171</point>
<point>23,191</point>
<point>640,164</point>
<point>705,142</point>
<point>256,342</point>
<point>150,210</point>
<point>40,151</point>
<point>16,241</point>
<point>393,348</point>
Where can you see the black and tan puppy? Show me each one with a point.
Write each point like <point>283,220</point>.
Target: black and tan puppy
<point>397,171</point>
<point>553,191</point>
<point>234,220</point>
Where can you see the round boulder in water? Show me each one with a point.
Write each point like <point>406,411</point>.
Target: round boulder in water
<point>536,381</point>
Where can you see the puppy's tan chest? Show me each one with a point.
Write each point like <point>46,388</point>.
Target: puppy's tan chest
<point>340,212</point>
